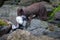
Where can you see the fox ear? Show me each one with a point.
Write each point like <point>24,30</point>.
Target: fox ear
<point>21,10</point>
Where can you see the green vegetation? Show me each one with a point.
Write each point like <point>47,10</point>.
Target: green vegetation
<point>2,23</point>
<point>51,18</point>
<point>52,15</point>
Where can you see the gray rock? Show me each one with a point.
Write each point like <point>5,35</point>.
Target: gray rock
<point>55,33</point>
<point>9,12</point>
<point>4,37</point>
<point>57,15</point>
<point>25,35</point>
<point>5,30</point>
<point>37,27</point>
<point>27,2</point>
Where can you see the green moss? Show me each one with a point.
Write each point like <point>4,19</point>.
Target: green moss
<point>2,23</point>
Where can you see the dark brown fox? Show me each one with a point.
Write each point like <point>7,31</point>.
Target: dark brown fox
<point>37,9</point>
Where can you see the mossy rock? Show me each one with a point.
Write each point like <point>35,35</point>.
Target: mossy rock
<point>2,23</point>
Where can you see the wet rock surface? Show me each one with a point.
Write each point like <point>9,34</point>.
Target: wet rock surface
<point>25,35</point>
<point>4,37</point>
<point>4,30</point>
<point>38,28</point>
<point>9,12</point>
<point>57,15</point>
